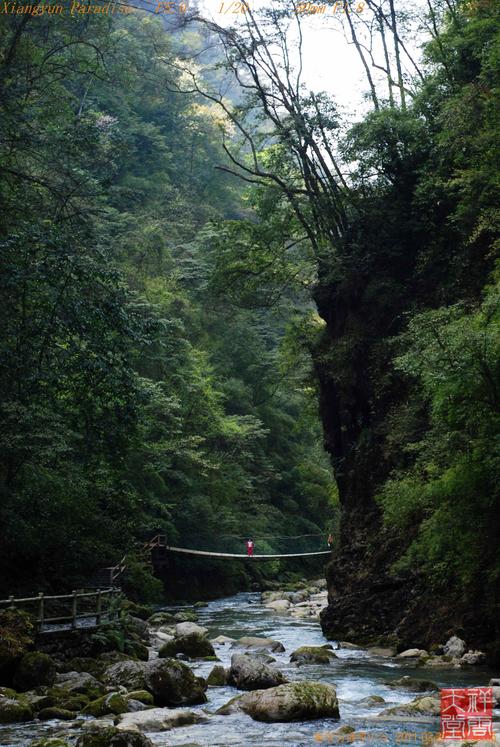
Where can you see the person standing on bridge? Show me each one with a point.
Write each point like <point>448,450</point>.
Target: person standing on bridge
<point>330,540</point>
<point>249,548</point>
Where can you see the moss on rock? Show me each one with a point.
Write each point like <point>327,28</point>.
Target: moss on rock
<point>34,669</point>
<point>61,714</point>
<point>112,703</point>
<point>14,711</point>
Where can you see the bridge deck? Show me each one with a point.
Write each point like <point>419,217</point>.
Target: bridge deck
<point>244,556</point>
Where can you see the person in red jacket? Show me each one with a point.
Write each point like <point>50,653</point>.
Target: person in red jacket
<point>249,548</point>
<point>330,540</point>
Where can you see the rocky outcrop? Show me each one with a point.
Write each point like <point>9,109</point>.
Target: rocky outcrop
<point>249,672</point>
<point>294,701</point>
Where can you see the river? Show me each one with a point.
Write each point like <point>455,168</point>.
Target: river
<point>356,674</point>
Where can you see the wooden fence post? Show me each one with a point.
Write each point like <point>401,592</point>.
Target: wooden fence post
<point>41,610</point>
<point>74,610</point>
<point>12,605</point>
<point>98,608</point>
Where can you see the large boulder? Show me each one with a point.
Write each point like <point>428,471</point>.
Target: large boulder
<point>249,672</point>
<point>186,628</point>
<point>413,684</point>
<point>34,670</point>
<point>110,736</point>
<point>313,655</point>
<point>259,644</point>
<point>172,683</point>
<point>217,677</point>
<point>14,711</point>
<point>429,705</point>
<point>194,645</point>
<point>455,647</point>
<point>159,719</point>
<point>294,701</point>
<point>80,683</point>
<point>139,627</point>
<point>128,674</point>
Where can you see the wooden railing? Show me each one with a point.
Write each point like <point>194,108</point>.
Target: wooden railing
<point>90,608</point>
<point>115,571</point>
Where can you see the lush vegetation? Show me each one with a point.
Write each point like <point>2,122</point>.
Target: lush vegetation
<point>132,399</point>
<point>163,359</point>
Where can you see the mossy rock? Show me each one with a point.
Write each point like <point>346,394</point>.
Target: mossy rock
<point>75,703</point>
<point>137,649</point>
<point>173,683</point>
<point>8,692</point>
<point>50,742</point>
<point>14,711</point>
<point>217,677</point>
<point>142,611</point>
<point>34,669</point>
<point>17,630</point>
<point>61,714</point>
<point>142,696</point>
<point>162,618</point>
<point>194,645</point>
<point>95,667</point>
<point>313,655</point>
<point>199,605</point>
<point>186,616</point>
<point>293,701</point>
<point>112,703</point>
<point>112,737</point>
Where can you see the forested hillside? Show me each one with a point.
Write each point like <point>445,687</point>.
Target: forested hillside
<point>134,399</point>
<point>203,259</point>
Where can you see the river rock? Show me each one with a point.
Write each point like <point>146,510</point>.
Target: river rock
<point>162,618</point>
<point>223,640</point>
<point>350,646</point>
<point>372,700</point>
<point>186,616</point>
<point>14,711</point>
<point>110,736</point>
<point>381,651</point>
<point>412,653</point>
<point>134,706</point>
<point>249,672</point>
<point>129,674</point>
<point>454,647</point>
<point>80,683</point>
<point>280,605</point>
<point>172,683</point>
<point>49,742</point>
<point>473,658</point>
<point>299,596</point>
<point>34,670</point>
<point>413,684</point>
<point>264,644</point>
<point>186,628</point>
<point>112,703</point>
<point>159,719</point>
<point>294,701</point>
<point>217,677</point>
<point>139,627</point>
<point>194,645</point>
<point>313,655</point>
<point>429,705</point>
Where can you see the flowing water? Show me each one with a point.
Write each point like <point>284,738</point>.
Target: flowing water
<point>356,674</point>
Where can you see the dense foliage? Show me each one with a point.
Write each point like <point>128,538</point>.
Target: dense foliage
<point>131,401</point>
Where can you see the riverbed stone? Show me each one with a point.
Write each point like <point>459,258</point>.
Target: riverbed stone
<point>34,670</point>
<point>14,711</point>
<point>413,684</point>
<point>159,719</point>
<point>280,605</point>
<point>222,640</point>
<point>262,644</point>
<point>112,703</point>
<point>81,683</point>
<point>372,700</point>
<point>412,653</point>
<point>293,701</point>
<point>383,651</point>
<point>217,677</point>
<point>186,628</point>
<point>172,683</point>
<point>472,658</point>
<point>49,742</point>
<point>313,655</point>
<point>162,618</point>
<point>141,695</point>
<point>429,705</point>
<point>110,736</point>
<point>186,616</point>
<point>130,674</point>
<point>455,647</point>
<point>194,645</point>
<point>249,672</point>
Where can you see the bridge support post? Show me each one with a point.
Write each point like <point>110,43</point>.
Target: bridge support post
<point>98,609</point>
<point>41,609</point>
<point>74,607</point>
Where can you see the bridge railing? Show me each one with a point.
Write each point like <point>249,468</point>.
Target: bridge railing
<point>80,609</point>
<point>272,544</point>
